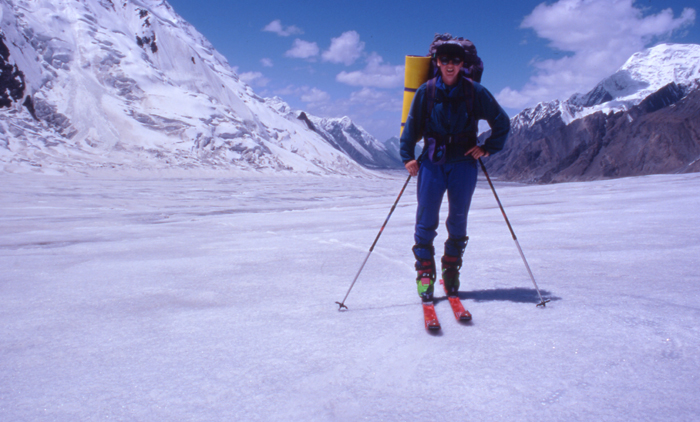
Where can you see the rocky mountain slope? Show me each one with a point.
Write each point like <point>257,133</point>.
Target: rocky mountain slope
<point>346,136</point>
<point>343,135</point>
<point>642,120</point>
<point>129,84</point>
<point>393,145</point>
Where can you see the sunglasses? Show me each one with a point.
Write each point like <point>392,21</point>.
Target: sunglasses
<point>447,59</point>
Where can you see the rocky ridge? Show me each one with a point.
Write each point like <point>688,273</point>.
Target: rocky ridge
<point>641,120</point>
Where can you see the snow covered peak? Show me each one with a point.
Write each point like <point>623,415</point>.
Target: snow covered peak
<point>644,73</point>
<point>658,66</point>
<point>129,83</point>
<point>539,112</point>
<point>345,121</point>
<point>342,134</point>
<point>279,104</point>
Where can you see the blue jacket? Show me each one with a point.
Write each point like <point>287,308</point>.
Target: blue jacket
<point>446,120</point>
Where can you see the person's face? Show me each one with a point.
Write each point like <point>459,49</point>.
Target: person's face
<point>450,67</point>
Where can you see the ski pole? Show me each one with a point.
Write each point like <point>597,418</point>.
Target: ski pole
<point>543,302</point>
<point>341,305</point>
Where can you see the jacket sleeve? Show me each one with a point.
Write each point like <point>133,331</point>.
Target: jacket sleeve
<point>487,108</point>
<point>413,128</point>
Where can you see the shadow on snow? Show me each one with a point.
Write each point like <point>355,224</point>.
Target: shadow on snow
<point>514,294</point>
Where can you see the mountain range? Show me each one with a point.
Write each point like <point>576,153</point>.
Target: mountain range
<point>344,135</point>
<point>129,84</point>
<point>643,119</point>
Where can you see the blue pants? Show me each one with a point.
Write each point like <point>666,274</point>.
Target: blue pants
<point>458,180</point>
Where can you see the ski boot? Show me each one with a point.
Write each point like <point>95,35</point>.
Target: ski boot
<point>450,274</point>
<point>425,279</point>
<point>425,265</point>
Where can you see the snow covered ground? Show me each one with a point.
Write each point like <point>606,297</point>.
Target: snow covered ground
<point>212,299</point>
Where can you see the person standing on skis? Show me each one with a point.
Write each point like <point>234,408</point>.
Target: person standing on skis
<point>445,113</point>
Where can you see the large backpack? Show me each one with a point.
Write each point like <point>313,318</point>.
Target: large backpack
<point>435,144</point>
<point>473,67</point>
<point>420,69</point>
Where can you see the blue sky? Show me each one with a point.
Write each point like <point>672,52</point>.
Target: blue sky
<point>338,58</point>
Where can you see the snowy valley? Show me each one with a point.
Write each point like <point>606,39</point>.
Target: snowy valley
<point>183,280</point>
<point>214,300</point>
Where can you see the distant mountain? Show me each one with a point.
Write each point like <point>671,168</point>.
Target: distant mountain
<point>346,136</point>
<point>343,135</point>
<point>393,145</point>
<point>641,120</point>
<point>129,84</point>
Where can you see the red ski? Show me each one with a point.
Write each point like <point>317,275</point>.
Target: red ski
<point>461,314</point>
<point>431,320</point>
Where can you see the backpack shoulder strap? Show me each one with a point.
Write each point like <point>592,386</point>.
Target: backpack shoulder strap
<point>470,98</point>
<point>468,86</point>
<point>430,101</point>
<point>430,95</point>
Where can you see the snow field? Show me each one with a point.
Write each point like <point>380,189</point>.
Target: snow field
<point>212,299</point>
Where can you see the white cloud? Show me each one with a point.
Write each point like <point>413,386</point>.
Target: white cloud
<point>254,78</point>
<point>376,100</point>
<point>266,62</point>
<point>375,74</point>
<point>315,95</point>
<point>277,27</point>
<point>511,98</point>
<point>600,36</point>
<point>346,49</point>
<point>303,50</point>
<point>288,90</point>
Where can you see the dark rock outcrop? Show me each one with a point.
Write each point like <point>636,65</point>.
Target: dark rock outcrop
<point>12,84</point>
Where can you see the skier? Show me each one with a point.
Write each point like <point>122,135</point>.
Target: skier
<point>445,112</point>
